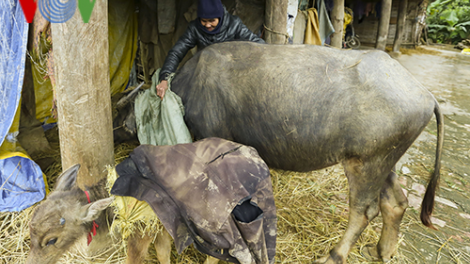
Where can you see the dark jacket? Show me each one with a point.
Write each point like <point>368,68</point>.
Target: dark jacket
<point>214,193</point>
<point>232,29</point>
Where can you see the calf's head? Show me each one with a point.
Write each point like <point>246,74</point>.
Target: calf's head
<point>63,218</point>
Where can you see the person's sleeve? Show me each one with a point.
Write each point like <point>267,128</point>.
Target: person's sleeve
<point>186,42</point>
<point>243,33</point>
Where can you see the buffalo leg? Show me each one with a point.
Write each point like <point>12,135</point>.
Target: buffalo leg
<point>365,183</point>
<point>137,247</point>
<point>163,247</point>
<point>393,204</point>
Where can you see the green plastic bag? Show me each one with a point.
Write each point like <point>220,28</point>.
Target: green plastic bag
<point>160,122</point>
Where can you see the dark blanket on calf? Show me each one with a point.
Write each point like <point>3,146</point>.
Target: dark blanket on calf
<point>214,192</point>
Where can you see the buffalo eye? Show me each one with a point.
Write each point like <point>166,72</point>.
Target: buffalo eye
<point>51,242</point>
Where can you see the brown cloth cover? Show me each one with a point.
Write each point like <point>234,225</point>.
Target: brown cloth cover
<point>193,189</point>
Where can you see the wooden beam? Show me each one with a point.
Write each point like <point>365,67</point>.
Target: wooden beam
<point>83,94</point>
<point>337,19</point>
<point>400,25</point>
<point>276,22</point>
<point>384,23</point>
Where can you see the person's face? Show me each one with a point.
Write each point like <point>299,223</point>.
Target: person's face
<point>209,23</point>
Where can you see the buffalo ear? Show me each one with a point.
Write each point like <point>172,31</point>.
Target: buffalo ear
<point>92,211</point>
<point>67,179</point>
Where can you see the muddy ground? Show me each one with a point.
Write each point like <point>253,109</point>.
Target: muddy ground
<point>446,73</point>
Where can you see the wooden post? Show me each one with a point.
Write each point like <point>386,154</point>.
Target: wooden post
<point>420,22</point>
<point>384,23</point>
<point>337,19</point>
<point>83,94</point>
<point>400,25</point>
<point>276,22</point>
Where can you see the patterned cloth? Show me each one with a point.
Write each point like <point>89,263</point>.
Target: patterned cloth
<point>214,192</point>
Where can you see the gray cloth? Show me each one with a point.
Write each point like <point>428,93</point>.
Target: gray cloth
<point>326,28</point>
<point>194,188</point>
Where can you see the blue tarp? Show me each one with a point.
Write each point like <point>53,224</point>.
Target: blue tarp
<point>21,180</point>
<point>22,184</point>
<point>13,40</point>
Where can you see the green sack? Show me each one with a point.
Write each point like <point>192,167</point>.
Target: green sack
<point>160,123</point>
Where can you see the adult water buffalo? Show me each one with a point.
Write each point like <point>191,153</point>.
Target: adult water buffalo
<point>308,107</point>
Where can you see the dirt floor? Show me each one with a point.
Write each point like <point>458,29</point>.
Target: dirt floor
<point>446,73</point>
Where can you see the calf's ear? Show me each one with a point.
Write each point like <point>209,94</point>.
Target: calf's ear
<point>92,211</point>
<point>67,179</point>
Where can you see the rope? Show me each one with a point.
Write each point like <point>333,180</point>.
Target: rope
<point>277,32</point>
<point>94,225</point>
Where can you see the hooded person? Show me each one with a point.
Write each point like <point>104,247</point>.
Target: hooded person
<point>213,25</point>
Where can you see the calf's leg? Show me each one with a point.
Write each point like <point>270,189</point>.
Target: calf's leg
<point>211,260</point>
<point>163,247</point>
<point>138,244</point>
<point>137,247</point>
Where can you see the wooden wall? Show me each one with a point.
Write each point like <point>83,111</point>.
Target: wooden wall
<point>367,30</point>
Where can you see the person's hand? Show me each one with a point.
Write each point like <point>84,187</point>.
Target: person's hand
<point>161,89</point>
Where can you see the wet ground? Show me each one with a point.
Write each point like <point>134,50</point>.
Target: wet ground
<point>446,73</point>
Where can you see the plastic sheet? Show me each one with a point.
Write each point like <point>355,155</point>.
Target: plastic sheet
<point>160,122</point>
<point>21,180</point>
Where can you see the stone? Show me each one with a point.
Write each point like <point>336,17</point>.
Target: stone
<point>467,216</point>
<point>438,222</point>
<point>446,202</point>
<point>414,201</point>
<point>419,188</point>
<point>405,170</point>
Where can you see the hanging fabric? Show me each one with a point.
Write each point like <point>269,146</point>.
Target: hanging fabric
<point>326,28</point>
<point>312,33</point>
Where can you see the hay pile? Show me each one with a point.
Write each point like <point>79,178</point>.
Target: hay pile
<point>312,217</point>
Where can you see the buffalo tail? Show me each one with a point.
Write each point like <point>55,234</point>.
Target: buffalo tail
<point>428,201</point>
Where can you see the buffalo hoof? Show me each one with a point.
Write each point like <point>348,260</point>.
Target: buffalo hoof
<point>371,254</point>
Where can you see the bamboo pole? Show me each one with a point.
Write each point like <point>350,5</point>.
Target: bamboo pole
<point>83,93</point>
<point>276,22</point>
<point>400,25</point>
<point>337,19</point>
<point>384,23</point>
